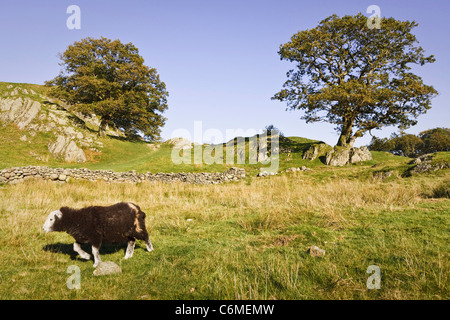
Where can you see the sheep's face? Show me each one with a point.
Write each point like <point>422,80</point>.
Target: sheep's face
<point>49,224</point>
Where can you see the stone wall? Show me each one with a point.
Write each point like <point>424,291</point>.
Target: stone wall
<point>17,174</point>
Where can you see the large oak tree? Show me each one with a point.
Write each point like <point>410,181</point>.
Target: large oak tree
<point>355,77</point>
<point>109,79</point>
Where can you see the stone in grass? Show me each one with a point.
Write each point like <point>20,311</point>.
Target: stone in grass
<point>107,267</point>
<point>315,251</point>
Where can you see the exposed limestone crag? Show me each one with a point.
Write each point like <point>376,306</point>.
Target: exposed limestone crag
<point>34,113</point>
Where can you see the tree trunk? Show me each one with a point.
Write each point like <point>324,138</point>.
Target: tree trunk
<point>102,129</point>
<point>345,139</point>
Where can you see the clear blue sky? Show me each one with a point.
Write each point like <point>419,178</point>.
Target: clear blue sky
<point>218,58</point>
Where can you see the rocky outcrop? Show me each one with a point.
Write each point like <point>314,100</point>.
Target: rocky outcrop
<point>316,150</point>
<point>34,113</point>
<point>179,143</point>
<point>68,149</point>
<point>426,163</point>
<point>17,174</point>
<point>423,158</point>
<point>19,111</point>
<point>340,156</point>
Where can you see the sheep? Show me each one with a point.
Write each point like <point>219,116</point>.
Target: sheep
<point>119,223</point>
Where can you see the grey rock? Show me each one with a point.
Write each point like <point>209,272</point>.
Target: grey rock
<point>340,156</point>
<point>180,143</point>
<point>360,155</point>
<point>424,157</point>
<point>68,149</point>
<point>19,111</point>
<point>106,268</point>
<point>61,175</point>
<point>315,251</point>
<point>429,166</point>
<point>316,150</point>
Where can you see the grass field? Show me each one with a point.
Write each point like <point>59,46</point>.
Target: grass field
<point>240,240</point>
<point>243,240</point>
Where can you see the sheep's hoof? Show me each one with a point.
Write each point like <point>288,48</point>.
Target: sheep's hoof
<point>86,256</point>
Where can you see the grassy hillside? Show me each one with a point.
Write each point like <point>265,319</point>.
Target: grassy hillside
<point>122,155</point>
<point>6,87</point>
<point>21,148</point>
<point>240,240</point>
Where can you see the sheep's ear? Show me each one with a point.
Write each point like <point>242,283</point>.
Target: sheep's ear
<point>58,214</point>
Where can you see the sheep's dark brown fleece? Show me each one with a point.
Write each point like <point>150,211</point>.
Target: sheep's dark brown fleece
<point>121,222</point>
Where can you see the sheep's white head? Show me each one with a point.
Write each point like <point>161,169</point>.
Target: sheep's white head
<point>50,222</point>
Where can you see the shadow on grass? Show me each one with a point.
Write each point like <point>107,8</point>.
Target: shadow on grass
<point>67,248</point>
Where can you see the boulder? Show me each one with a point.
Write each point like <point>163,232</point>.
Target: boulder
<point>360,155</point>
<point>340,156</point>
<point>107,267</point>
<point>68,149</point>
<point>315,251</point>
<point>337,157</point>
<point>316,150</point>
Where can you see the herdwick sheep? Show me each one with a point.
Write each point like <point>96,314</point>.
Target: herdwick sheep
<point>118,223</point>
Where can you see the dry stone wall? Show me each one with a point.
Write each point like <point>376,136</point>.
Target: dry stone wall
<point>17,174</point>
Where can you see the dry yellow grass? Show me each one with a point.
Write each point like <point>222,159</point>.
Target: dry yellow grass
<point>277,201</point>
<point>244,240</point>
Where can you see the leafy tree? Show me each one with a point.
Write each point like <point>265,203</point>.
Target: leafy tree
<point>434,140</point>
<point>271,127</point>
<point>354,77</point>
<point>429,141</point>
<point>408,145</point>
<point>109,78</point>
<point>381,144</point>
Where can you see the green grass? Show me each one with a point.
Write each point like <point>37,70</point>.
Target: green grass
<point>245,240</point>
<point>38,89</point>
<point>15,152</point>
<point>122,155</point>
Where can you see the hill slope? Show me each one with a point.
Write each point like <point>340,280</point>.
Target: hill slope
<point>37,130</point>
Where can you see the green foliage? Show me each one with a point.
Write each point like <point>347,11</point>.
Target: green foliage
<point>355,77</point>
<point>407,145</point>
<point>271,127</point>
<point>429,141</point>
<point>109,79</point>
<point>434,140</point>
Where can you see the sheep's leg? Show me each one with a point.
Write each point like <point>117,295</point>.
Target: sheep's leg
<point>83,254</point>
<point>130,249</point>
<point>96,253</point>
<point>148,245</point>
